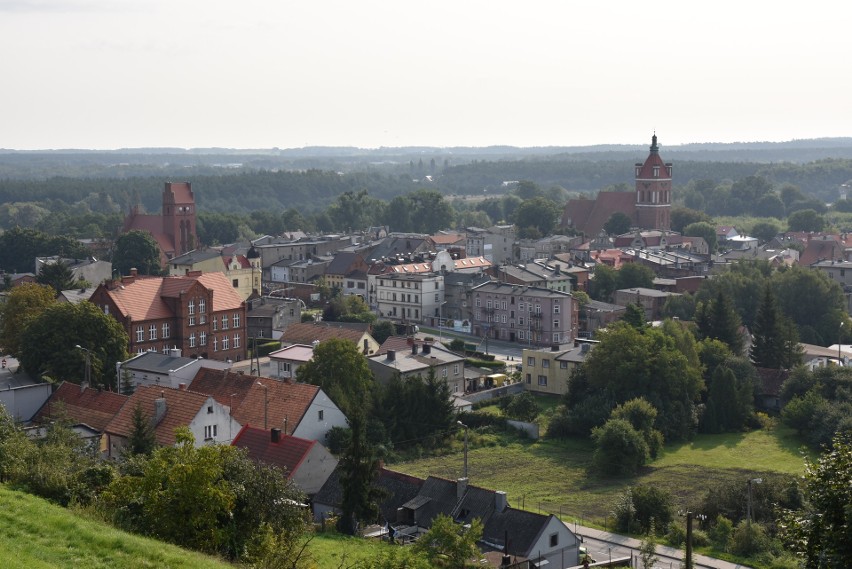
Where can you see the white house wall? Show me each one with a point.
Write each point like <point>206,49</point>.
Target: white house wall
<point>226,427</point>
<point>313,428</point>
<point>566,552</point>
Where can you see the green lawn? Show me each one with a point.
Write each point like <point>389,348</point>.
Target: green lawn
<point>552,476</point>
<point>35,534</point>
<point>335,550</point>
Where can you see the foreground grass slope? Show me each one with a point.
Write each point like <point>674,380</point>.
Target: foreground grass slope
<point>552,476</point>
<point>36,534</point>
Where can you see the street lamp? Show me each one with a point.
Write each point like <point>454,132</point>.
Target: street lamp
<point>265,405</point>
<point>88,370</point>
<point>750,482</point>
<point>465,445</point>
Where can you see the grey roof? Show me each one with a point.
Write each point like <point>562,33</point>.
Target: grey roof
<point>156,362</point>
<point>194,257</point>
<point>599,306</point>
<point>519,290</point>
<point>399,489</point>
<point>523,529</point>
<point>651,292</point>
<point>341,263</point>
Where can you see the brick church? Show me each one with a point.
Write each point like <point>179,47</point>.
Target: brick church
<point>648,207</point>
<point>174,228</point>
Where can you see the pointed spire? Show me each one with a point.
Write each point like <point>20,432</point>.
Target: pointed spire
<point>654,147</point>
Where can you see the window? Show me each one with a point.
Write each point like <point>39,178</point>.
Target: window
<point>542,380</point>
<point>531,361</point>
<point>106,308</point>
<point>285,367</point>
<point>556,308</point>
<point>444,372</point>
<point>215,344</point>
<point>202,306</point>
<point>488,304</point>
<point>563,365</point>
<point>224,322</point>
<point>556,337</point>
<point>202,339</point>
<point>190,308</point>
<point>545,363</point>
<point>529,378</point>
<point>320,414</point>
<point>140,334</point>
<point>209,409</point>
<point>521,306</point>
<point>437,299</point>
<point>236,283</point>
<point>225,342</point>
<point>556,323</point>
<point>202,319</point>
<point>152,332</point>
<point>455,369</point>
<point>192,340</point>
<point>478,302</point>
<point>210,432</point>
<point>521,332</point>
<point>554,539</point>
<point>503,318</point>
<point>236,340</point>
<point>505,305</point>
<point>215,324</point>
<point>538,309</point>
<point>192,320</point>
<point>520,321</point>
<point>236,319</point>
<point>166,330</point>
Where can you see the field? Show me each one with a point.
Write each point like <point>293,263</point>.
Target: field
<point>552,476</point>
<point>35,534</point>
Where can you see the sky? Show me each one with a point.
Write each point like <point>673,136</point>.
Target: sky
<point>108,74</point>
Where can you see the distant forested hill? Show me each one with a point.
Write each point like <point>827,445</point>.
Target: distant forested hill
<point>309,179</point>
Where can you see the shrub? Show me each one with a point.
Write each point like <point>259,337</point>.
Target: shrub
<point>267,348</point>
<point>721,532</point>
<point>620,449</point>
<point>676,535</point>
<point>749,539</point>
<point>523,407</point>
<point>337,439</point>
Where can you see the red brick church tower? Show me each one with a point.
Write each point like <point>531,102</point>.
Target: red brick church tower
<point>179,216</point>
<point>654,191</point>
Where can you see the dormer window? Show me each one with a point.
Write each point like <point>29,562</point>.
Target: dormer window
<point>656,171</point>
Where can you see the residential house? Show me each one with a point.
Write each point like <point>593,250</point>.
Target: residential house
<point>415,360</point>
<point>155,369</point>
<point>495,243</point>
<point>200,313</point>
<point>306,462</point>
<point>268,316</point>
<point>409,298</point>
<point>456,310</point>
<point>527,250</point>
<point>208,420</point>
<point>398,488</point>
<point>75,296</point>
<point>548,371</point>
<point>90,270</point>
<point>524,314</point>
<point>596,315</point>
<point>541,538</point>
<point>651,300</point>
<point>21,395</point>
<point>307,333</point>
<point>533,274</point>
<point>841,273</point>
<point>87,410</point>
<point>298,409</point>
<point>273,251</point>
<point>344,263</point>
<point>287,361</point>
<point>243,271</point>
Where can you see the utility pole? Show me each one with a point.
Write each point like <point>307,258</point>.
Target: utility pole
<point>689,540</point>
<point>465,446</point>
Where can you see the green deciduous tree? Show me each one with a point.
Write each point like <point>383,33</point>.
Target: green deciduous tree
<point>819,533</point>
<point>702,229</point>
<point>19,248</point>
<point>537,217</point>
<point>451,545</point>
<point>635,275</point>
<point>136,250</point>
<point>49,348</point>
<point>341,370</point>
<point>383,330</point>
<point>618,223</point>
<point>805,220</point>
<point>619,448</point>
<point>23,305</point>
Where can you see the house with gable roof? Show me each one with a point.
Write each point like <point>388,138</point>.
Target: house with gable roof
<point>243,271</point>
<point>306,462</point>
<point>200,313</point>
<point>307,333</point>
<point>298,409</point>
<point>167,409</point>
<point>88,410</point>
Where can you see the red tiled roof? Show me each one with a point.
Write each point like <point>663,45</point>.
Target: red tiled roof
<point>286,454</point>
<point>287,401</point>
<point>241,259</point>
<point>181,408</point>
<point>182,191</point>
<point>225,297</point>
<point>92,407</point>
<point>446,238</point>
<point>647,169</point>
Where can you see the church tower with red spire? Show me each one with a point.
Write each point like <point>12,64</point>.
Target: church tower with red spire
<point>654,191</point>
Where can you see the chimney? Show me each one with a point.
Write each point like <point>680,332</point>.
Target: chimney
<point>427,349</point>
<point>391,355</point>
<point>174,352</point>
<point>500,501</point>
<point>182,386</point>
<point>413,349</point>
<point>159,408</point>
<point>461,488</point>
<point>276,435</point>
<point>134,272</point>
<point>84,385</point>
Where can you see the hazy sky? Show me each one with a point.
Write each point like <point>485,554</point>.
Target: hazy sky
<point>258,74</point>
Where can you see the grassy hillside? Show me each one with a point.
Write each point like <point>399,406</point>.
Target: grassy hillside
<point>552,475</point>
<point>35,534</point>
